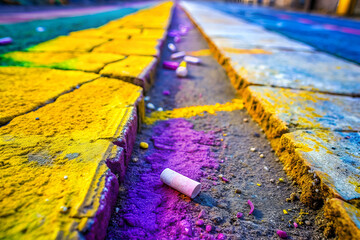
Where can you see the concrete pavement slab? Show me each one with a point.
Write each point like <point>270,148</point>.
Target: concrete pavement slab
<point>90,62</point>
<point>67,191</point>
<point>326,165</point>
<point>317,72</point>
<point>280,110</point>
<point>135,69</point>
<point>25,89</point>
<point>331,161</point>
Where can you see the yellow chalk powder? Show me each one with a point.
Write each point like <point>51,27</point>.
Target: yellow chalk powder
<point>187,112</point>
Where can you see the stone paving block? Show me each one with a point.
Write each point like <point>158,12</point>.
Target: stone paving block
<point>90,62</point>
<point>278,110</point>
<point>128,47</point>
<point>300,70</point>
<point>68,44</point>
<point>346,217</point>
<point>67,191</point>
<point>139,70</point>
<point>333,157</point>
<point>25,89</point>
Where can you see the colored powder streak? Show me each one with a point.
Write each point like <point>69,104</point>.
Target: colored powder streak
<point>198,53</point>
<point>152,210</point>
<point>246,51</point>
<point>188,112</point>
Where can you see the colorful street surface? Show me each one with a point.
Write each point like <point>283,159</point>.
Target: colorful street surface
<point>335,35</point>
<point>268,125</point>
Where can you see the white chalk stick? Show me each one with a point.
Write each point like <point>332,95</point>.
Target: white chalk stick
<point>177,55</point>
<point>191,59</point>
<point>181,183</point>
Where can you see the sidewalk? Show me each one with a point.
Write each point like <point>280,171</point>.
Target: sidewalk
<point>67,134</point>
<point>303,101</point>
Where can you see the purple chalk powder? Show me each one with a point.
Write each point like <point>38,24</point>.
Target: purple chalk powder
<point>148,208</point>
<point>173,33</point>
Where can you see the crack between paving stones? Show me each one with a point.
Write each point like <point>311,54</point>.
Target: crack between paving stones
<point>51,100</point>
<point>119,60</point>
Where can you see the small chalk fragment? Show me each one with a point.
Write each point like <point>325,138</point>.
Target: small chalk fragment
<point>285,212</point>
<point>150,106</point>
<point>147,98</point>
<point>199,222</point>
<point>221,236</point>
<point>5,40</point>
<point>202,214</point>
<point>177,39</point>
<point>281,234</point>
<point>160,109</point>
<point>296,225</point>
<point>172,47</point>
<point>208,228</point>
<point>37,118</point>
<point>181,71</point>
<point>191,59</point>
<point>239,215</point>
<point>65,177</point>
<point>253,149</point>
<point>252,208</point>
<point>245,120</point>
<point>166,92</point>
<point>170,65</point>
<point>63,209</point>
<point>144,145</point>
<point>40,29</point>
<point>225,179</point>
<point>180,182</point>
<point>177,55</point>
<point>183,29</point>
